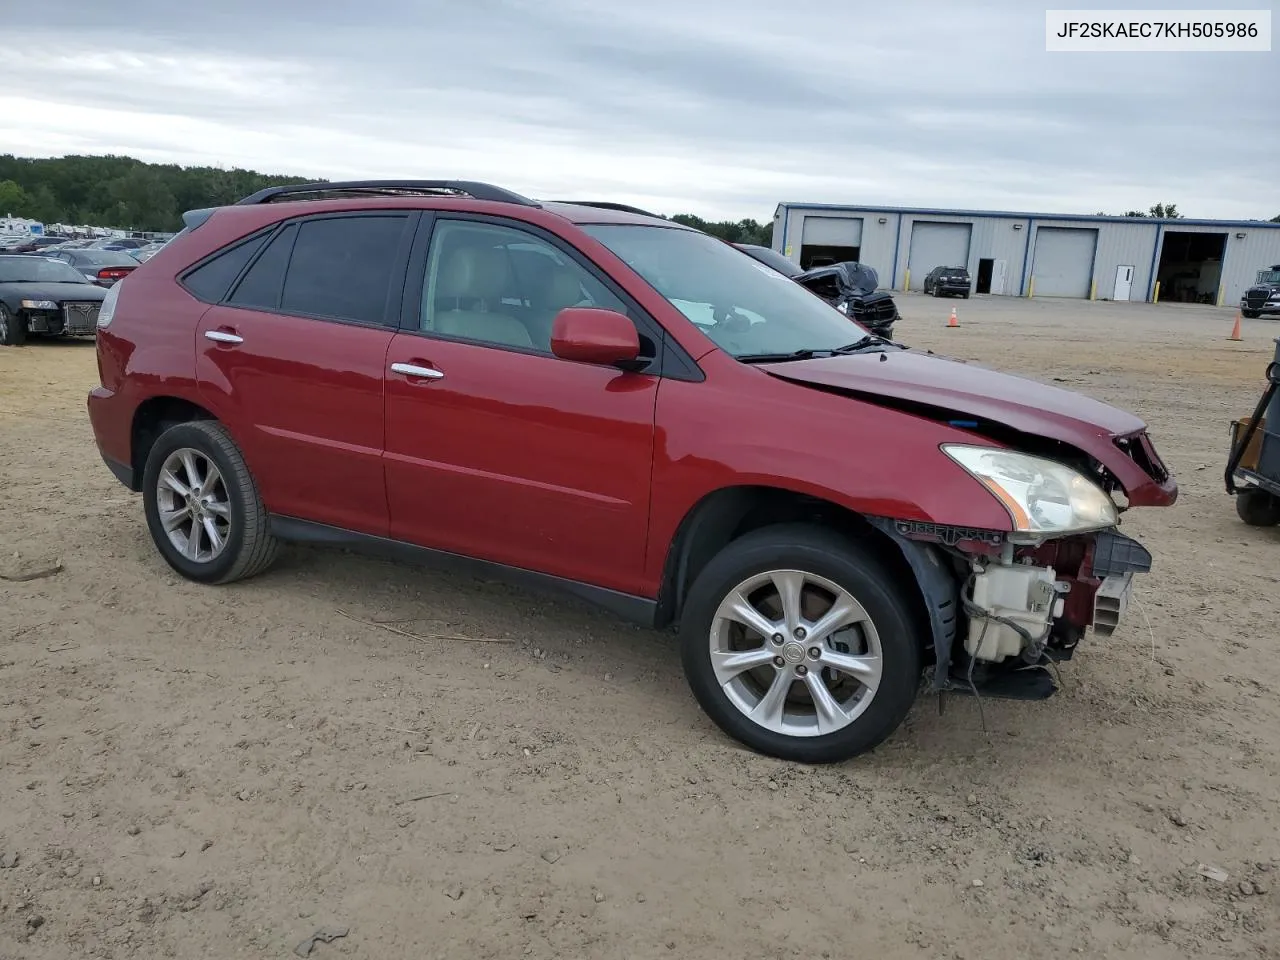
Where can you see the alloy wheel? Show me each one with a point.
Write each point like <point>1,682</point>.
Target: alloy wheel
<point>193,504</point>
<point>796,653</point>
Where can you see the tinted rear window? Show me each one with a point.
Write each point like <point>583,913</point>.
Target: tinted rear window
<point>342,267</point>
<point>211,280</point>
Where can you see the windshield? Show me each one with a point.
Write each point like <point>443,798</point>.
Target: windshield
<point>743,306</point>
<point>1269,276</point>
<point>38,270</point>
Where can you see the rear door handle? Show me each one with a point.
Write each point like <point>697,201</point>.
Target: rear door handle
<point>414,370</point>
<point>221,336</point>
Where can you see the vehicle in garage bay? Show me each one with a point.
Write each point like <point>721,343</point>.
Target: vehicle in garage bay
<point>620,407</point>
<point>45,297</point>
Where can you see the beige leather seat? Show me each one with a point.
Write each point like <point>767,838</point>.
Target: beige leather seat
<point>559,287</point>
<point>468,295</point>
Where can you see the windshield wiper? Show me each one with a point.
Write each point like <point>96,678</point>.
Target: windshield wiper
<point>865,343</point>
<point>783,357</point>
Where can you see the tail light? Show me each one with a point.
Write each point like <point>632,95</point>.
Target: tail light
<point>114,273</point>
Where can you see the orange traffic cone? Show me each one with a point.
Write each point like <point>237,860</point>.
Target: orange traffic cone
<point>1235,331</point>
<point>954,321</point>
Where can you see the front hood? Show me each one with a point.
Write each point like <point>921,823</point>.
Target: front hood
<point>949,389</point>
<point>52,291</point>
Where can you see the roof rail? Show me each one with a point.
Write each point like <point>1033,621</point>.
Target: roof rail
<point>606,205</point>
<point>392,188</point>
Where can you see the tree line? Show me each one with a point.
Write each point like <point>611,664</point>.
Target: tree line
<point>119,192</point>
<point>130,194</point>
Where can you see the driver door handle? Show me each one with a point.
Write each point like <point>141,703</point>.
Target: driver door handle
<point>414,370</point>
<point>221,336</point>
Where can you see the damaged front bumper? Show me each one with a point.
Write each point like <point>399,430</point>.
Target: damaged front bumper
<point>1001,613</point>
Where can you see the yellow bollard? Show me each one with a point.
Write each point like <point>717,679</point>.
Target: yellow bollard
<point>1031,287</point>
<point>1222,295</point>
<point>1093,289</point>
<point>1155,297</point>
<point>906,280</point>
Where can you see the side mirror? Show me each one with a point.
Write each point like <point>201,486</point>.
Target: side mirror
<point>593,335</point>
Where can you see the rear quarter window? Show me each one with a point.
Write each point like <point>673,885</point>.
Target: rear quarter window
<point>262,284</point>
<point>212,279</point>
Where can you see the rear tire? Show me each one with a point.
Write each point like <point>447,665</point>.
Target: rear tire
<point>760,689</point>
<point>1258,508</point>
<point>13,329</point>
<point>202,505</point>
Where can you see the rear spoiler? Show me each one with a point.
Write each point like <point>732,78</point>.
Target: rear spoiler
<point>193,218</point>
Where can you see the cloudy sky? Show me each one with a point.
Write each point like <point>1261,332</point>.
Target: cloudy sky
<point>718,107</point>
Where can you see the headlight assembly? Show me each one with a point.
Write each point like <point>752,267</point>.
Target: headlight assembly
<point>1042,496</point>
<point>39,305</point>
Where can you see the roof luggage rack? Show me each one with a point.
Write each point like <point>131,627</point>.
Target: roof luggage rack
<point>387,188</point>
<point>606,205</point>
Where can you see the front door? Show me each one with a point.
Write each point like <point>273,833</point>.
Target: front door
<point>293,360</point>
<point>497,449</point>
<point>998,270</point>
<point>1124,282</point>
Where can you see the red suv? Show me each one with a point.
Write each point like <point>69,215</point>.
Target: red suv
<point>587,397</point>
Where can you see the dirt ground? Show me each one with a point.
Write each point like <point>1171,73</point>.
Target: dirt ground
<point>193,772</point>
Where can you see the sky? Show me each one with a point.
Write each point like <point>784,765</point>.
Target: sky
<point>722,108</point>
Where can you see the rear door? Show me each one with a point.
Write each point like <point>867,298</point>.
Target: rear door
<point>292,358</point>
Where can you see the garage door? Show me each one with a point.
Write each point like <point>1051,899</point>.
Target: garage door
<point>832,232</point>
<point>1062,265</point>
<point>936,244</point>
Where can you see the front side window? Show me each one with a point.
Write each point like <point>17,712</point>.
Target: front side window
<point>745,307</point>
<point>502,285</point>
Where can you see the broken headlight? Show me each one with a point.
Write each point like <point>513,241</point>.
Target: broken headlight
<point>1042,496</point>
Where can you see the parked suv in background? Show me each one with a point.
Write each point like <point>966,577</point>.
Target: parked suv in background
<point>946,281</point>
<point>608,403</point>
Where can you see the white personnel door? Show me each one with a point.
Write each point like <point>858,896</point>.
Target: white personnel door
<point>1124,282</point>
<point>998,270</point>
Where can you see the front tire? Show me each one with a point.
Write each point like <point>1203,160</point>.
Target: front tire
<point>202,505</point>
<point>1250,314</point>
<point>13,329</point>
<point>1258,508</point>
<point>799,643</point>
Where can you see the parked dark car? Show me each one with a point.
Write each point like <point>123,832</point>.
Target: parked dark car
<point>948,281</point>
<point>628,410</point>
<point>37,243</point>
<point>47,297</point>
<point>127,244</point>
<point>103,267</point>
<point>850,287</point>
<point>772,258</point>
